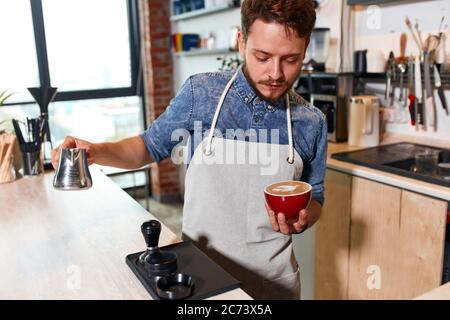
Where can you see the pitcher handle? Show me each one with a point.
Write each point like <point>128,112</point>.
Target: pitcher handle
<point>368,118</point>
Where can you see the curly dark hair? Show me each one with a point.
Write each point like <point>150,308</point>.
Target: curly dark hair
<point>296,15</point>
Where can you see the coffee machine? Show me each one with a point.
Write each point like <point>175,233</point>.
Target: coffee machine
<point>330,92</point>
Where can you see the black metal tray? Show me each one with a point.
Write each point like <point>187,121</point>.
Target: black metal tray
<point>394,158</point>
<point>209,278</point>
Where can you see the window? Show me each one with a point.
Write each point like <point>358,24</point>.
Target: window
<point>88,49</point>
<point>18,63</point>
<point>87,44</point>
<point>97,120</point>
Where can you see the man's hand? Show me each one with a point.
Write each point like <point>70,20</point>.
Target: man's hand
<point>279,222</point>
<point>71,142</point>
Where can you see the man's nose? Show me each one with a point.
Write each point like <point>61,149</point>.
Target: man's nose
<point>276,72</point>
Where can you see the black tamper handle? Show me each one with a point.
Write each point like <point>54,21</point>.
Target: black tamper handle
<point>151,230</point>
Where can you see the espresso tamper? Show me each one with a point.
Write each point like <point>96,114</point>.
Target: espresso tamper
<point>155,261</point>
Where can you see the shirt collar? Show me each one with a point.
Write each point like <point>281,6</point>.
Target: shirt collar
<point>243,88</point>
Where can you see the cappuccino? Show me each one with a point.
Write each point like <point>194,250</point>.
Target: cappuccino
<point>287,188</point>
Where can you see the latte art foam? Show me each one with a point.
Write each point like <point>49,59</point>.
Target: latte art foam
<point>287,188</point>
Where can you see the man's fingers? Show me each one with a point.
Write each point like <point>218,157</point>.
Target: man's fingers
<point>302,217</point>
<point>284,227</point>
<point>273,221</point>
<point>69,142</point>
<point>299,226</point>
<point>302,221</point>
<point>272,218</point>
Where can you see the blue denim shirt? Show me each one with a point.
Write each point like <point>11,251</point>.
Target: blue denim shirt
<point>242,109</point>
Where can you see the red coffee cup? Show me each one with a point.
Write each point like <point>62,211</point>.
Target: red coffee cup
<point>284,199</point>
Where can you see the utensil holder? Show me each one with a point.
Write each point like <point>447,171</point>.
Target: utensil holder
<point>32,163</point>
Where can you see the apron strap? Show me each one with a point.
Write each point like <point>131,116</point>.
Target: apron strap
<point>208,150</point>
<point>289,127</point>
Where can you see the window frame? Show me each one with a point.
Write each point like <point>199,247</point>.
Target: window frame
<point>137,86</point>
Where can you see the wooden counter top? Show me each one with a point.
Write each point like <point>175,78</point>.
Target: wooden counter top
<point>418,186</point>
<point>72,244</point>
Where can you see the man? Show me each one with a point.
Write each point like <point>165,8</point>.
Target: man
<point>224,211</point>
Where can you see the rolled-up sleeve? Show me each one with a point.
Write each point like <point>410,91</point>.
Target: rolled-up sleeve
<point>314,168</point>
<point>159,138</point>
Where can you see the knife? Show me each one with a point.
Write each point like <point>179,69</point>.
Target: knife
<point>438,86</point>
<point>388,86</point>
<point>411,96</point>
<point>390,76</point>
<point>418,93</point>
<point>401,98</point>
<point>428,101</point>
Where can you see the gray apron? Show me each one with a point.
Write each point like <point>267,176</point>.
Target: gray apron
<point>225,215</point>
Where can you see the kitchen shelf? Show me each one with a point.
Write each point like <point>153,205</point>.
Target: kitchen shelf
<point>201,12</point>
<point>204,52</point>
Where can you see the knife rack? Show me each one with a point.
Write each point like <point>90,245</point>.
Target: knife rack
<point>364,78</point>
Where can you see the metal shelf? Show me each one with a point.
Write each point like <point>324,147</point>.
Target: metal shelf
<point>370,2</point>
<point>201,12</point>
<point>381,78</point>
<point>204,52</point>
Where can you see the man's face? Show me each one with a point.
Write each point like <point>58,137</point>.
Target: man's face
<point>273,58</point>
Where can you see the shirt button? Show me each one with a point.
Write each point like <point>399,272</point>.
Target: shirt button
<point>246,99</point>
<point>270,107</point>
<point>257,100</point>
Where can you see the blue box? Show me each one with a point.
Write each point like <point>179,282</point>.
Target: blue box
<point>185,6</point>
<point>176,7</point>
<point>197,4</point>
<point>190,41</point>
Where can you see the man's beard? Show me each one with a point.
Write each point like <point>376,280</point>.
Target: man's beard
<point>252,84</point>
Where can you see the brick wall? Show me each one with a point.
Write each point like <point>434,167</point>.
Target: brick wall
<point>158,79</point>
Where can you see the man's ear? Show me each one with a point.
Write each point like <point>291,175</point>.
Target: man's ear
<point>241,44</point>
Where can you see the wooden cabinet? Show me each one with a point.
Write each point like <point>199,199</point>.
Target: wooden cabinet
<point>332,238</point>
<point>375,241</point>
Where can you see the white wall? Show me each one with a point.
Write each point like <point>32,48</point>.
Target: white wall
<point>329,16</point>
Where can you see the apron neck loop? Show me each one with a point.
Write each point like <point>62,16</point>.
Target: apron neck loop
<point>208,150</point>
<point>290,159</point>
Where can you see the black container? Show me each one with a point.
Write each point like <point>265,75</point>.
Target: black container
<point>175,286</point>
<point>360,61</point>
